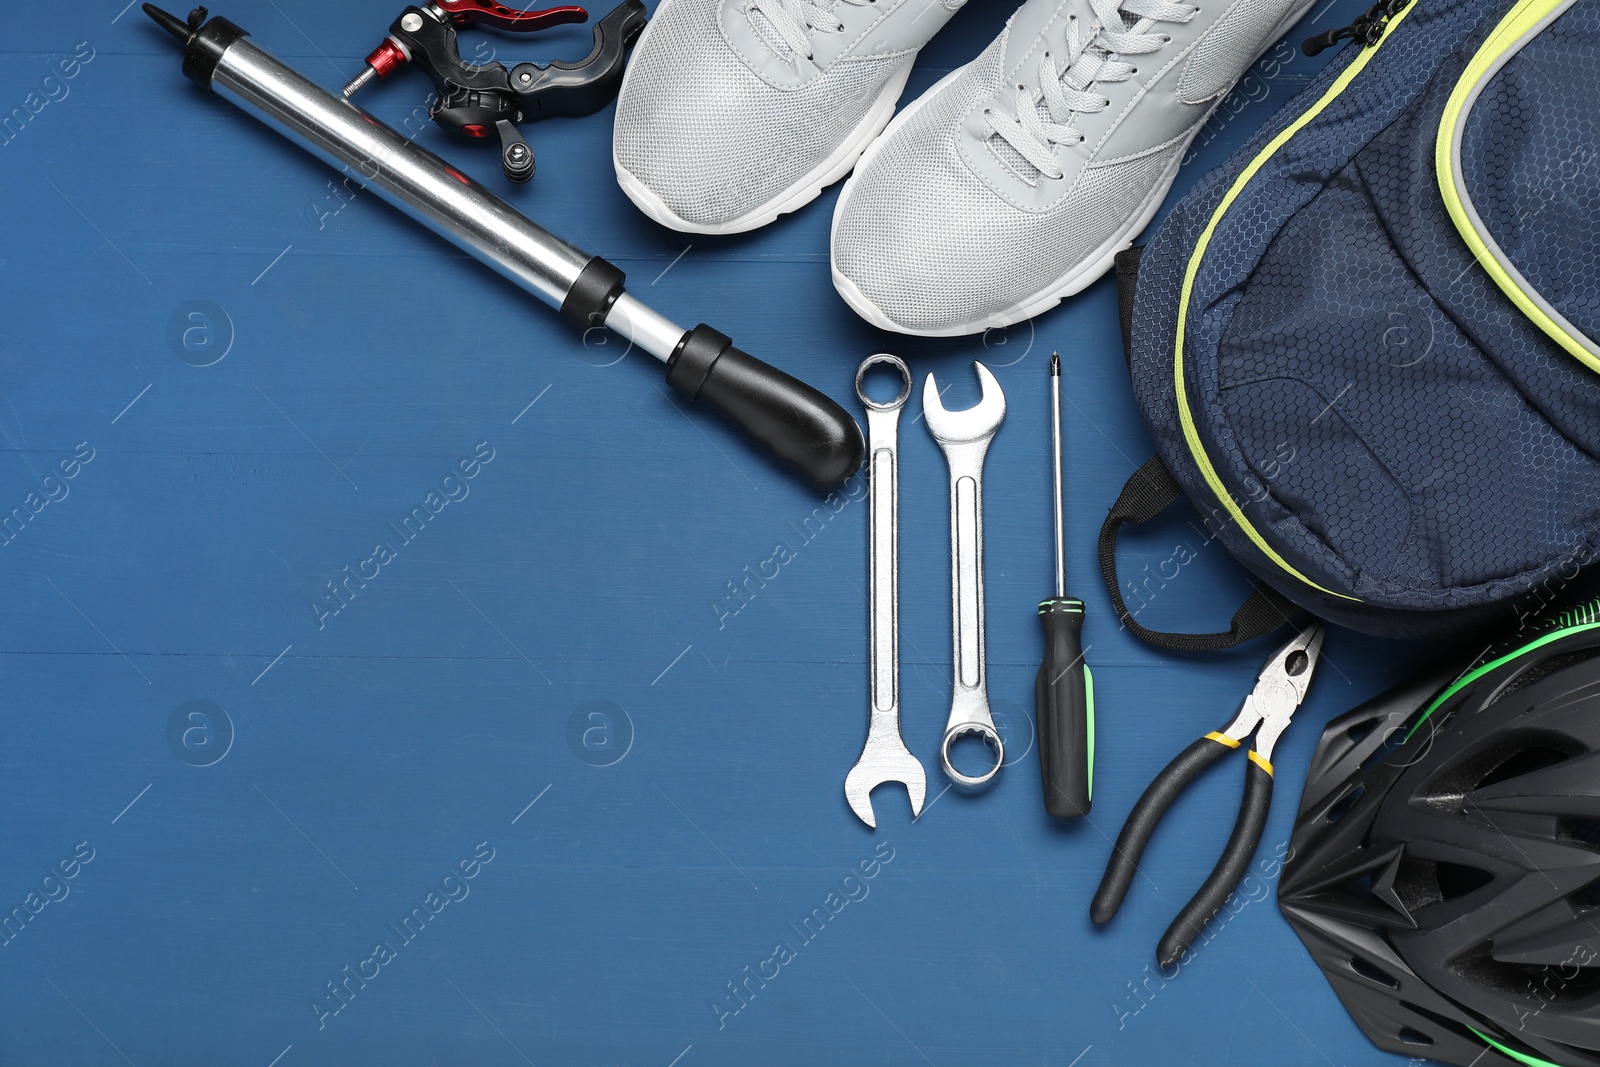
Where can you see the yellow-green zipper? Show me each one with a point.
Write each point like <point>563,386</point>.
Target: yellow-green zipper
<point>1521,24</point>
<point>1191,433</point>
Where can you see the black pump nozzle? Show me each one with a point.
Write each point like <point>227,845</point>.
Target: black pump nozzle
<point>204,42</point>
<point>179,29</point>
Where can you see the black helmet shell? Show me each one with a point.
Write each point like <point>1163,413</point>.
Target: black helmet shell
<point>1445,864</point>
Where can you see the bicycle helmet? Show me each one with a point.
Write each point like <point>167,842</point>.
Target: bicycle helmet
<point>1445,866</point>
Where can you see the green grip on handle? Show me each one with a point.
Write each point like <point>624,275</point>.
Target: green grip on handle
<point>1064,706</point>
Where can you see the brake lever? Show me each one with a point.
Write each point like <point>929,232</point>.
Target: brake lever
<point>476,101</point>
<point>489,13</point>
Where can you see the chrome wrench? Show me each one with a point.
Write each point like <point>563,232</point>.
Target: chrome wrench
<point>964,438</point>
<point>885,757</point>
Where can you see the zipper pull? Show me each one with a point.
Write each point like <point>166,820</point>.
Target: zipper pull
<point>1367,29</point>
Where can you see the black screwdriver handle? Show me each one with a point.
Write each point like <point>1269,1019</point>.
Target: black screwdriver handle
<point>792,420</point>
<point>1064,708</point>
<point>1135,835</point>
<point>1236,858</point>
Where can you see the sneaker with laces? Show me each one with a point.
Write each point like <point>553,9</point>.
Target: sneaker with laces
<point>734,112</point>
<point>1016,180</point>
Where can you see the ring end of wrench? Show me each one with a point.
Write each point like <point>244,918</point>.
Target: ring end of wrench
<point>898,365</point>
<point>991,737</point>
<point>885,757</point>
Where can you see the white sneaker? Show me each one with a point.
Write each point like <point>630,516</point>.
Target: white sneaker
<point>734,112</point>
<point>1015,180</point>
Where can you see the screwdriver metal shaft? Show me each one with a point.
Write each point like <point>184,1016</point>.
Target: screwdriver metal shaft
<point>1064,690</point>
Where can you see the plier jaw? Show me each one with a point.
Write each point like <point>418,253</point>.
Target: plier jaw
<point>1279,691</point>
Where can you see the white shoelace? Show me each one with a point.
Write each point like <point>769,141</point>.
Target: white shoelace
<point>794,19</point>
<point>1065,89</point>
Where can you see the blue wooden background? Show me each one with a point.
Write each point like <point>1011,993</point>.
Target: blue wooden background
<point>612,787</point>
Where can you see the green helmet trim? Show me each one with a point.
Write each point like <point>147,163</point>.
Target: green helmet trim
<point>1572,622</point>
<point>1520,1057</point>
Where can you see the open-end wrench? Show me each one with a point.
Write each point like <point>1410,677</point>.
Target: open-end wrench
<point>885,757</point>
<point>964,437</point>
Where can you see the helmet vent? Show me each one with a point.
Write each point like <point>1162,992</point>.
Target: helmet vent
<point>1549,984</point>
<point>1343,805</point>
<point>1525,762</point>
<point>1441,1024</point>
<point>1456,880</point>
<point>1543,669</point>
<point>1512,757</point>
<point>1419,883</point>
<point>1361,729</point>
<point>1588,896</point>
<point>1583,831</point>
<point>1416,883</point>
<point>1414,1037</point>
<point>1373,973</point>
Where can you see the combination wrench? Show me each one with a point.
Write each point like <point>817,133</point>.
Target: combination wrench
<point>885,757</point>
<point>964,438</point>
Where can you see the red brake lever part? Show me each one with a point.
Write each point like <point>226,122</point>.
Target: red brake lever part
<point>489,13</point>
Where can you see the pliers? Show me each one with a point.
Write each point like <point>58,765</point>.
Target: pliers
<point>1280,690</point>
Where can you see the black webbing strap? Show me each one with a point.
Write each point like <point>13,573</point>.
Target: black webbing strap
<point>1148,493</point>
<point>1127,282</point>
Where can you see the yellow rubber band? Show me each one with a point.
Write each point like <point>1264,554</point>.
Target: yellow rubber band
<point>1222,739</point>
<point>1255,757</point>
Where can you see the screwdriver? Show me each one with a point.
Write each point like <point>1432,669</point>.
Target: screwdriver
<point>1064,692</point>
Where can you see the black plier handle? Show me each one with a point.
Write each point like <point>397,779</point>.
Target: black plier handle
<point>1280,689</point>
<point>1236,856</point>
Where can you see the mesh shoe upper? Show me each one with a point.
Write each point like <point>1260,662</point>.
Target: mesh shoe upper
<point>949,227</point>
<point>719,117</point>
<point>930,243</point>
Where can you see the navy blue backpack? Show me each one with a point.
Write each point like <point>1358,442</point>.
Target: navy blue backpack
<point>1366,346</point>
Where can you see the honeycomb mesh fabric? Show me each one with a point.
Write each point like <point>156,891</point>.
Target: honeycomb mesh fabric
<point>928,243</point>
<point>1531,156</point>
<point>713,140</point>
<point>1381,414</point>
<point>1478,486</point>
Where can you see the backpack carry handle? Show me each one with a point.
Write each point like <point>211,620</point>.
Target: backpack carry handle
<point>1148,493</point>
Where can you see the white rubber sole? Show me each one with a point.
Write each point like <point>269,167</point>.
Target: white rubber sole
<point>1082,274</point>
<point>835,166</point>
